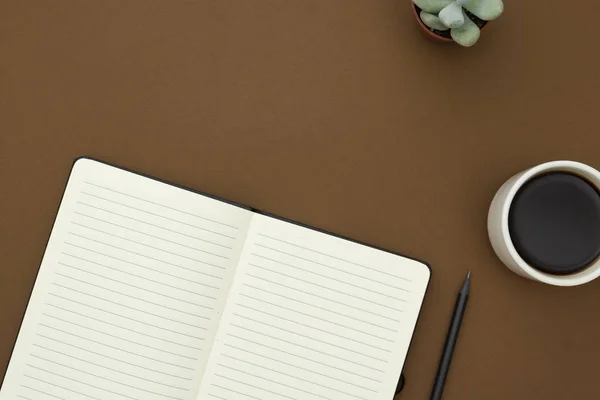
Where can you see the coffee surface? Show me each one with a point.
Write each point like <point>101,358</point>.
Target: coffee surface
<point>554,223</point>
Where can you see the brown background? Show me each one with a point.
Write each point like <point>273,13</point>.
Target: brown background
<point>336,113</point>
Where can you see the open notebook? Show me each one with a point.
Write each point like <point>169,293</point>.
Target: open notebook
<point>148,291</point>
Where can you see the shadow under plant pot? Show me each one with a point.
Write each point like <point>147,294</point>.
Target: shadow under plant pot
<point>439,35</point>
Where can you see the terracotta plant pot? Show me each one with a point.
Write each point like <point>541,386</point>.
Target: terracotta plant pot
<point>427,31</point>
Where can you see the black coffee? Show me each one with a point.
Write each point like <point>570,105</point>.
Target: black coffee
<point>554,223</point>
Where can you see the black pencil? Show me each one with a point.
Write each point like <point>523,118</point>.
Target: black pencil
<point>446,359</point>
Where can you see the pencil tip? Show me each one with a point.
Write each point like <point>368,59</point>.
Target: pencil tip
<point>466,284</point>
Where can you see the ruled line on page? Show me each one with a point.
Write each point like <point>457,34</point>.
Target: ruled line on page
<point>124,328</point>
<point>308,337</point>
<point>120,338</point>
<point>103,378</point>
<point>322,297</point>
<point>159,204</point>
<point>254,386</point>
<point>140,254</point>
<point>292,376</point>
<point>46,393</point>
<point>125,295</point>
<point>110,358</point>
<point>334,257</point>
<point>325,287</point>
<point>307,348</point>
<point>146,234</point>
<point>144,244</point>
<point>128,307</point>
<point>139,265</point>
<point>303,358</point>
<point>108,368</point>
<point>234,391</point>
<point>320,308</point>
<point>117,348</point>
<point>272,381</point>
<point>142,266</point>
<point>149,246</point>
<point>318,318</point>
<point>327,277</point>
<point>301,368</point>
<point>84,383</point>
<point>156,226</point>
<point>217,397</point>
<point>312,327</point>
<point>160,216</point>
<point>58,386</point>
<point>331,267</point>
<point>140,288</point>
<point>132,319</point>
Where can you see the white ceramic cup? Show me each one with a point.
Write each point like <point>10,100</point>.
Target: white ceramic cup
<point>500,235</point>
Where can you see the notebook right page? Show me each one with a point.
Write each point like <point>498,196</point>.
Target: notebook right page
<point>313,316</point>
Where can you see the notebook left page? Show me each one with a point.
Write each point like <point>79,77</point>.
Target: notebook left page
<point>129,292</point>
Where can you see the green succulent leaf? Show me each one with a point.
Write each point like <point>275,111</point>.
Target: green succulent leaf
<point>485,9</point>
<point>468,34</point>
<point>432,6</point>
<point>433,21</point>
<point>452,16</point>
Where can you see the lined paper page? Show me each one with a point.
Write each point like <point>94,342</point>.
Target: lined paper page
<point>129,293</point>
<point>311,316</point>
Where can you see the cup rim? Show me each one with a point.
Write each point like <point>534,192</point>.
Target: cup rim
<point>585,171</point>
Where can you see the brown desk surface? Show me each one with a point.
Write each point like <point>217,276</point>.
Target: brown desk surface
<point>335,113</point>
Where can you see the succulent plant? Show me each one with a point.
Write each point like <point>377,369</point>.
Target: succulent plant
<point>459,16</point>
